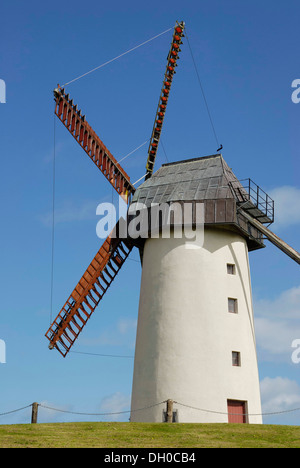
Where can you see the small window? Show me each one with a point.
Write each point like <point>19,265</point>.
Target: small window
<point>232,305</point>
<point>230,269</point>
<point>236,359</point>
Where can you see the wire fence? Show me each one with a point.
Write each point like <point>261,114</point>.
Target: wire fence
<point>35,405</point>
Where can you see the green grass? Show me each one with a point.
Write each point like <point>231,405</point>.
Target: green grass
<point>142,435</point>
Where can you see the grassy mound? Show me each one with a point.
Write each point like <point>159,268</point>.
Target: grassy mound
<point>144,435</point>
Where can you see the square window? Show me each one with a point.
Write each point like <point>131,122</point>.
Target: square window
<point>230,269</point>
<point>232,305</point>
<point>236,359</point>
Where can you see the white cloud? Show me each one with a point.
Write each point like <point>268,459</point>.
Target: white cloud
<point>279,394</point>
<point>277,325</point>
<point>68,211</point>
<point>286,305</point>
<point>52,412</point>
<point>274,339</point>
<point>116,403</point>
<point>127,326</point>
<point>287,205</point>
<point>123,333</point>
<point>62,147</point>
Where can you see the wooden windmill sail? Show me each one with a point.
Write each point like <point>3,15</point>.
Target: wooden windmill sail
<point>112,254</point>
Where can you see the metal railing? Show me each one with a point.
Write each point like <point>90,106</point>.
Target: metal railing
<point>254,199</point>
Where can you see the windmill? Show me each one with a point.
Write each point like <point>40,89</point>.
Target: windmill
<point>195,335</point>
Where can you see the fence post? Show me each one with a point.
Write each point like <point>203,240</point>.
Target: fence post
<point>169,411</point>
<point>34,413</point>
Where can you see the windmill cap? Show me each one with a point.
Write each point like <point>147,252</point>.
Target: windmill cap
<point>210,180</point>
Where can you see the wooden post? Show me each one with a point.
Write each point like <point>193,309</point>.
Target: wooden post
<point>169,411</point>
<point>34,413</point>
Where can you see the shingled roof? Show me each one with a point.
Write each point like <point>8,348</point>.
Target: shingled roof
<point>198,179</point>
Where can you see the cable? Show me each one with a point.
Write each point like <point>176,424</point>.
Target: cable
<point>53,219</point>
<point>146,407</point>
<point>15,411</point>
<point>134,260</point>
<point>133,151</point>
<point>103,355</point>
<point>205,100</point>
<point>103,414</point>
<point>247,414</point>
<point>162,145</point>
<point>139,179</point>
<point>115,58</point>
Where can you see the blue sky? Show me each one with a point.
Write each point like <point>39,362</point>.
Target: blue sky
<point>246,54</point>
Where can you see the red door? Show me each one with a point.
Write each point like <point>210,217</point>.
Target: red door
<point>236,411</point>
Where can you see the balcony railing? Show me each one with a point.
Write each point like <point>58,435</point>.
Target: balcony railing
<point>254,200</point>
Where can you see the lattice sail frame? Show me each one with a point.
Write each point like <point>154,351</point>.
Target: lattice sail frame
<point>172,59</point>
<point>87,294</point>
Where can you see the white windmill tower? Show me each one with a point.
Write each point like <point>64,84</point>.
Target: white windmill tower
<point>195,337</point>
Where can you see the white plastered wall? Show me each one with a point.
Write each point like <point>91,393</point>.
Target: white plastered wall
<point>185,334</point>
